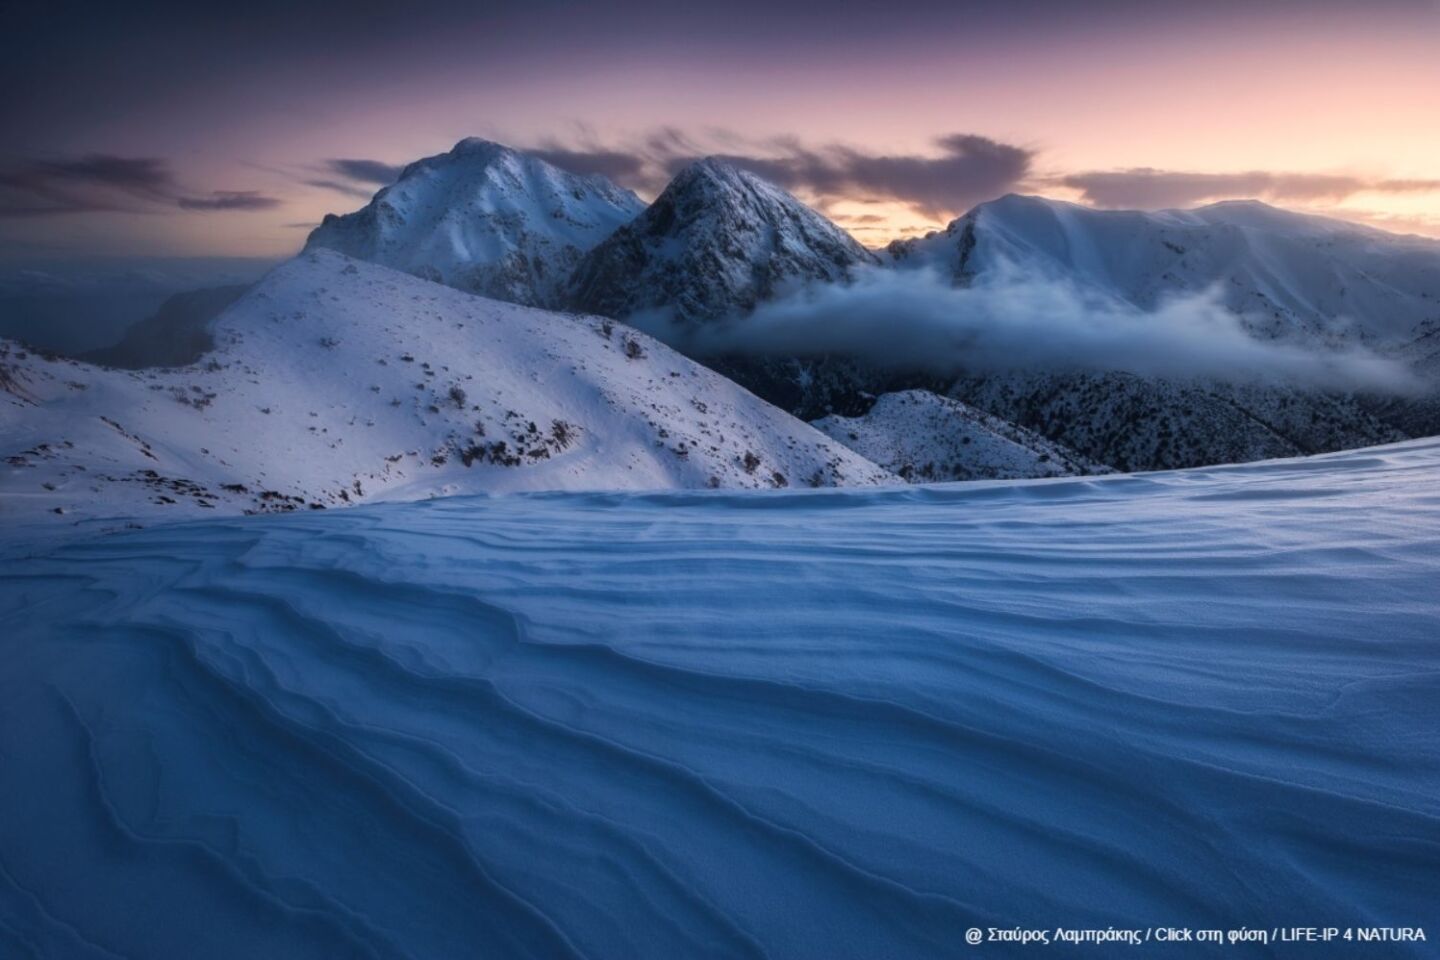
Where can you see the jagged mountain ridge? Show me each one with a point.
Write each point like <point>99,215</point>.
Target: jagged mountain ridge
<point>334,382</point>
<point>486,219</point>
<point>718,241</point>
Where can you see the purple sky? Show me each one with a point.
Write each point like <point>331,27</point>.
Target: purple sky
<point>176,129</point>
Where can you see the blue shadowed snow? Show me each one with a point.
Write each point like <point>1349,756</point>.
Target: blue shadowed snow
<point>801,725</point>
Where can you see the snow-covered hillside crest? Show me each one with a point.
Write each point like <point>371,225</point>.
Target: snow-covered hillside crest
<point>335,381</point>
<point>486,219</point>
<point>923,437</point>
<point>715,243</point>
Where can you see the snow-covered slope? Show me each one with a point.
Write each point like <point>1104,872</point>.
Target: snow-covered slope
<point>924,437</point>
<point>803,724</point>
<point>1288,274</point>
<point>715,243</point>
<point>486,219</point>
<point>335,381</point>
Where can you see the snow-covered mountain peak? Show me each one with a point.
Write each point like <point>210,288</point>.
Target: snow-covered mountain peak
<point>478,159</point>
<point>484,218</point>
<point>1289,275</point>
<point>715,243</point>
<point>475,151</point>
<point>713,168</point>
<point>717,175</point>
<point>714,186</point>
<point>478,146</point>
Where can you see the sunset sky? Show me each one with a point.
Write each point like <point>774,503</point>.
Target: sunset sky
<point>158,129</point>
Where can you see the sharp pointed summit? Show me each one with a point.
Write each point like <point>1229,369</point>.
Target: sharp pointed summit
<point>715,243</point>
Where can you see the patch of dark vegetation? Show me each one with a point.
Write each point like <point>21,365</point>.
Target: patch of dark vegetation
<point>562,433</point>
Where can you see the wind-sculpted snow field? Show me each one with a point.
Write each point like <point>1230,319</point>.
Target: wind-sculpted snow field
<point>800,724</point>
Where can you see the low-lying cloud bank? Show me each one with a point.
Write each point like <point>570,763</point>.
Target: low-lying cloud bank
<point>916,320</point>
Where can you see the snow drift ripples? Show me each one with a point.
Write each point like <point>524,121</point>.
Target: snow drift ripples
<point>830,724</point>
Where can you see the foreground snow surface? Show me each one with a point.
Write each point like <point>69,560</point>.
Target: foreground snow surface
<point>799,724</point>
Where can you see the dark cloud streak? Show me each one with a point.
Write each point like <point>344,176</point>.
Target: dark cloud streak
<point>622,167</point>
<point>965,170</point>
<point>353,177</point>
<point>971,169</point>
<point>230,200</point>
<point>365,171</point>
<point>96,182</point>
<point>348,189</point>
<point>104,183</point>
<point>1147,188</point>
<point>139,176</point>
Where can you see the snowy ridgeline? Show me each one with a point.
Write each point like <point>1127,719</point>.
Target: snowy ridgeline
<point>1287,274</point>
<point>805,724</point>
<point>333,382</point>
